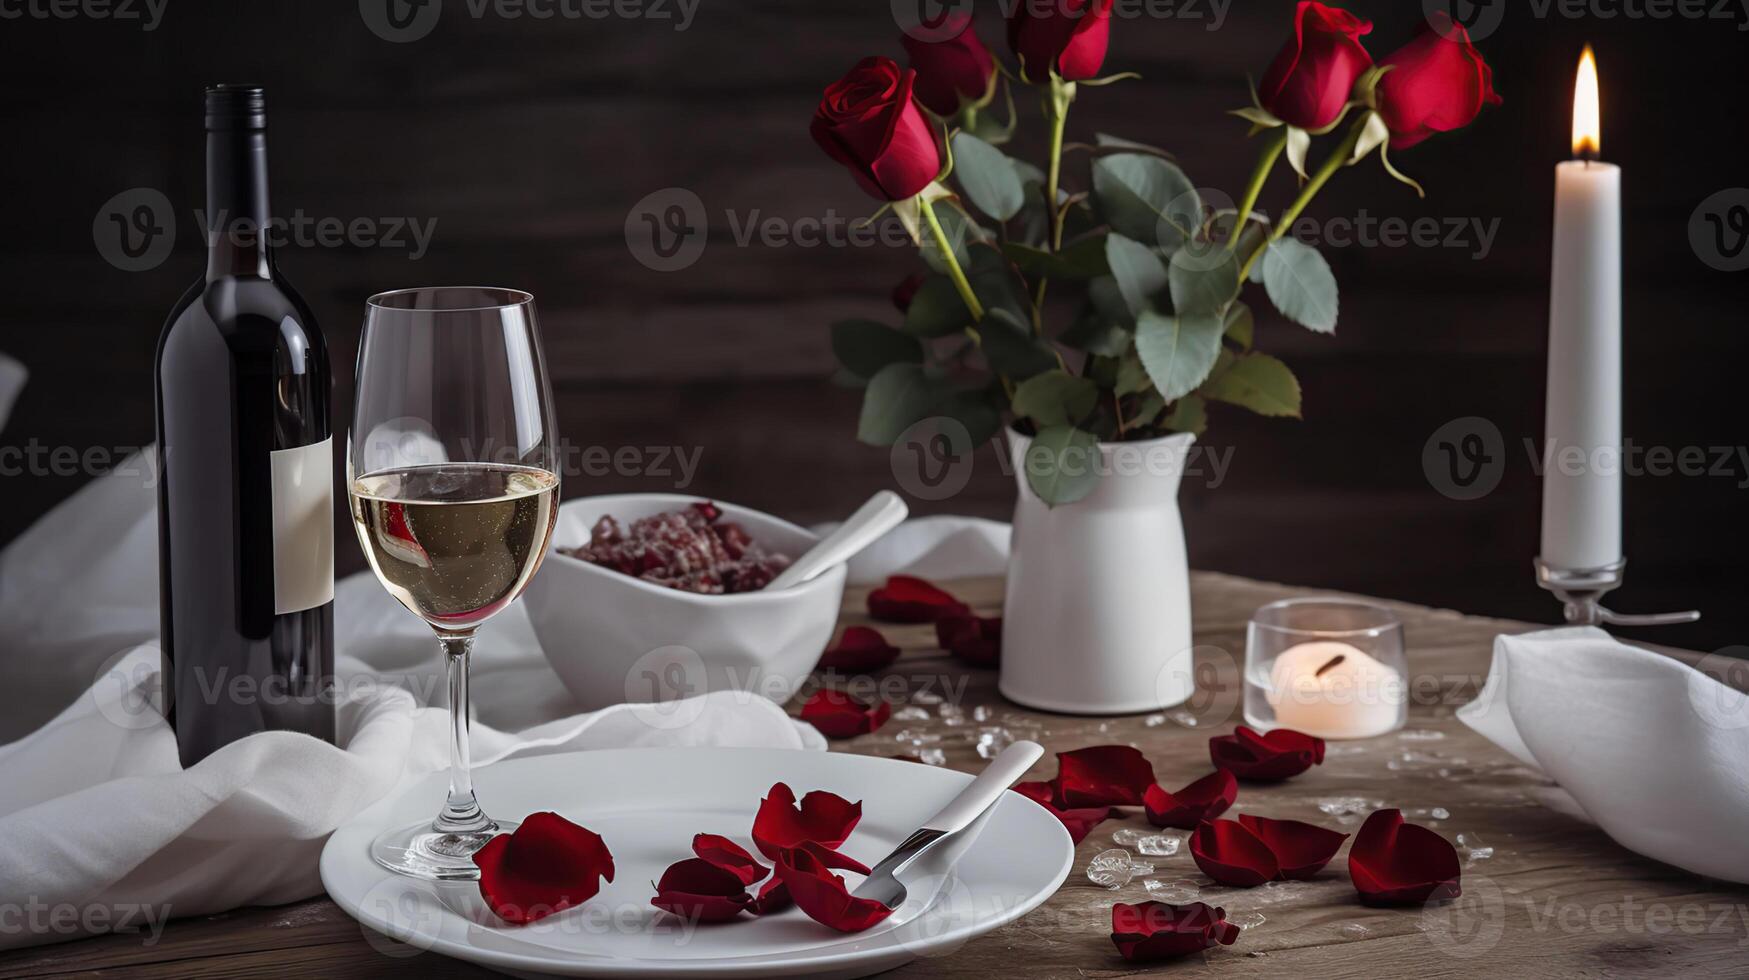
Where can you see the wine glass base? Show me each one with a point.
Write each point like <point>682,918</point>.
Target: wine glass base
<point>421,851</point>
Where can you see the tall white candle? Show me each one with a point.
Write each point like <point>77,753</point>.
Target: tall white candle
<point>1582,440</point>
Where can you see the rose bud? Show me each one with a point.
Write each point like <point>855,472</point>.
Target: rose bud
<point>955,69</point>
<point>868,122</point>
<point>1068,36</point>
<point>1437,83</point>
<point>1314,75</point>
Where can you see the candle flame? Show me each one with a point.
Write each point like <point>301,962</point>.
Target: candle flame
<point>1587,110</point>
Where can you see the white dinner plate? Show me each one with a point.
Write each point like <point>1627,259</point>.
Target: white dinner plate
<point>647,804</point>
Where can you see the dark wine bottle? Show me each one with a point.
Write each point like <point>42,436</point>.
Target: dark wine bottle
<point>246,493</point>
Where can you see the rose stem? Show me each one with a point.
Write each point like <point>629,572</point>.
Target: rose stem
<point>1057,112</point>
<point>1334,163</point>
<point>1265,164</point>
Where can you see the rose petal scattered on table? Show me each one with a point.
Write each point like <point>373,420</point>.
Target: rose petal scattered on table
<point>546,865</point>
<point>1232,855</point>
<point>1281,754</point>
<point>1078,822</point>
<point>824,818</point>
<point>1205,799</point>
<point>861,650</point>
<point>806,872</point>
<point>839,715</point>
<point>699,890</point>
<point>975,639</point>
<point>1103,775</point>
<point>1150,931</point>
<point>730,856</point>
<point>1398,863</point>
<point>907,599</point>
<point>1301,849</point>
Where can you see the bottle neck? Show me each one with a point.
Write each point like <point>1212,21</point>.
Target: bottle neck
<point>237,215</point>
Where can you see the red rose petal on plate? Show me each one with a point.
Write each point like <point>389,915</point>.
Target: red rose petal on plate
<point>1104,775</point>
<point>824,818</point>
<point>773,897</point>
<point>975,639</point>
<point>806,872</point>
<point>906,599</point>
<point>861,650</point>
<point>1397,863</point>
<point>544,866</point>
<point>1281,754</point>
<point>838,715</point>
<point>701,891</point>
<point>1079,823</point>
<point>1302,849</point>
<point>1232,855</point>
<point>730,856</point>
<point>1150,931</point>
<point>1205,799</point>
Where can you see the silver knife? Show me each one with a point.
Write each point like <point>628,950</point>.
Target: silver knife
<point>962,812</point>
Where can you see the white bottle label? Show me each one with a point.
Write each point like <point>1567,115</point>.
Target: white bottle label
<point>303,527</point>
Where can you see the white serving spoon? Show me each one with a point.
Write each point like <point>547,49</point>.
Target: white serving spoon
<point>883,512</point>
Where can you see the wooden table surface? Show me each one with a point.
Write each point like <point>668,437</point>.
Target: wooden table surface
<point>1556,899</point>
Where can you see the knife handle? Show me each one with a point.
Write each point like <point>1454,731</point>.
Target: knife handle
<point>1002,772</point>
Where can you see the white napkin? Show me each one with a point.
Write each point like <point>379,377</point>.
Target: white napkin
<point>99,817</point>
<point>1653,751</point>
<point>12,378</point>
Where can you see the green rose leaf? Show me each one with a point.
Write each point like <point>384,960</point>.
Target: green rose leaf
<point>1079,260</point>
<point>961,232</point>
<point>1096,334</point>
<point>937,309</point>
<point>993,282</point>
<point>1203,281</point>
<point>1055,397</point>
<point>1132,376</point>
<point>1011,348</point>
<point>864,347</point>
<point>897,397</point>
<point>974,410</point>
<point>1179,352</point>
<point>988,176</point>
<point>1300,284</point>
<point>1190,414</point>
<point>1139,273</point>
<point>1146,198</point>
<point>1062,465</point>
<point>1241,325</point>
<point>1260,383</point>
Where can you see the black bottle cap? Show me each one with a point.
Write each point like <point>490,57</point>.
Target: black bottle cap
<point>232,106</point>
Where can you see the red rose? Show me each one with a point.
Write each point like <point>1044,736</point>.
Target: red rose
<point>1068,35</point>
<point>955,68</point>
<point>1313,77</point>
<point>1438,83</point>
<point>868,122</point>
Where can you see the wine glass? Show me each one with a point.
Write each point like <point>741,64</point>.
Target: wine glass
<point>453,477</point>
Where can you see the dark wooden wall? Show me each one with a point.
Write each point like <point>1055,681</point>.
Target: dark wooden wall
<point>528,141</point>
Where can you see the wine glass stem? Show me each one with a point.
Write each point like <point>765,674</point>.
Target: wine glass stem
<point>461,812</point>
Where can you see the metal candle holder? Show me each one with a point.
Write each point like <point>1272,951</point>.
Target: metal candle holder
<point>1581,591</point>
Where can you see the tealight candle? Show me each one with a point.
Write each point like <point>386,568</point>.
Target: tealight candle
<point>1333,668</point>
<point>1333,690</point>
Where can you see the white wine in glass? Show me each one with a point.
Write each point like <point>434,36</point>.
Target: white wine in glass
<point>454,488</point>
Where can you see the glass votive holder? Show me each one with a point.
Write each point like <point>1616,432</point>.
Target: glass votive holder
<point>1334,668</point>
